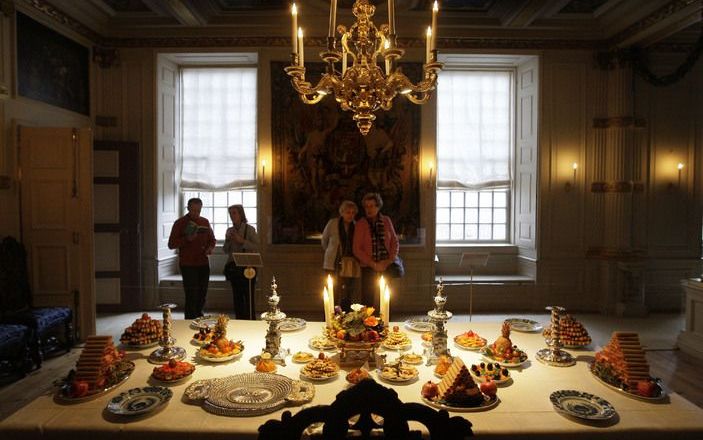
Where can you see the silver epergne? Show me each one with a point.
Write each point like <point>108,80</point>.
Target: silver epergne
<point>166,350</point>
<point>439,317</point>
<point>273,316</point>
<point>554,355</point>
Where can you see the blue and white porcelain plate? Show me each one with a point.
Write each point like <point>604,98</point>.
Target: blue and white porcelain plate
<point>139,401</point>
<point>582,405</point>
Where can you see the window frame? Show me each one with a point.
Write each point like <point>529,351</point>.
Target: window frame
<point>509,224</point>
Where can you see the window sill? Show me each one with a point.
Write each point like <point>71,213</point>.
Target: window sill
<point>493,248</point>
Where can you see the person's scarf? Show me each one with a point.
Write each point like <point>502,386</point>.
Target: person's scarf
<point>378,239</point>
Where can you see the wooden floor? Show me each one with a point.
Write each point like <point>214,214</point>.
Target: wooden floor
<point>680,372</point>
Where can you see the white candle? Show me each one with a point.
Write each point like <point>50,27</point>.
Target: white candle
<point>435,10</point>
<point>387,45</point>
<point>301,48</point>
<point>326,301</point>
<point>344,60</point>
<point>386,305</point>
<point>391,17</point>
<point>294,13</point>
<point>333,18</point>
<point>429,43</point>
<point>330,291</point>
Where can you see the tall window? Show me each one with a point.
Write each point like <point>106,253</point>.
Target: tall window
<point>219,141</point>
<point>474,144</point>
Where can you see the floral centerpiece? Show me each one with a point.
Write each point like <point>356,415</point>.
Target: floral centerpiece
<point>358,325</point>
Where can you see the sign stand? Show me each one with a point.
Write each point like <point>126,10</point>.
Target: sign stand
<point>249,261</point>
<point>473,260</point>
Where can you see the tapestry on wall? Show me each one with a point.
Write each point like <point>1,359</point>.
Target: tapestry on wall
<point>51,68</point>
<point>321,159</point>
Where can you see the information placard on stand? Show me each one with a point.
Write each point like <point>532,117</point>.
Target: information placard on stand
<point>473,260</point>
<point>249,261</point>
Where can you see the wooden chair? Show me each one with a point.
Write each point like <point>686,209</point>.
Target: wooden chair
<point>365,399</point>
<point>45,323</point>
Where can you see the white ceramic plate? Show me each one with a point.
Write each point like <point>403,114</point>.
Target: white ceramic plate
<point>204,321</point>
<point>394,379</point>
<point>319,378</point>
<point>488,404</point>
<point>582,405</point>
<point>138,401</point>
<point>524,325</point>
<point>464,347</point>
<point>220,359</point>
<point>292,324</point>
<point>321,343</point>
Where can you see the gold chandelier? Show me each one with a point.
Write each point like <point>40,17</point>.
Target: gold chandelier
<point>363,88</point>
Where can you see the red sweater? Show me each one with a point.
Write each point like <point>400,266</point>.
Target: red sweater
<point>363,246</point>
<point>192,253</point>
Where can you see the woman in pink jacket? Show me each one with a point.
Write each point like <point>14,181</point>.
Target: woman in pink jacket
<point>375,246</point>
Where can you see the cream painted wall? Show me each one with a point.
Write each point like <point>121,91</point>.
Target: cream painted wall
<point>573,92</point>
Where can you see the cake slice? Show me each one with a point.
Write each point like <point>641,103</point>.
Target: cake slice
<point>98,362</point>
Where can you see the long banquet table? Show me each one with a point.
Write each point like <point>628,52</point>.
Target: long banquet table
<point>524,410</point>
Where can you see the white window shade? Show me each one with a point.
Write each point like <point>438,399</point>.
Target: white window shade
<point>219,128</point>
<point>474,129</point>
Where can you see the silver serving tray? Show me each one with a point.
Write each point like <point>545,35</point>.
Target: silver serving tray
<point>126,368</point>
<point>248,394</point>
<point>524,325</point>
<point>486,405</point>
<point>292,324</point>
<point>657,381</point>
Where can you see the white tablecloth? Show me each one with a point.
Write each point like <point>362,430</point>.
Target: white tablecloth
<point>524,411</point>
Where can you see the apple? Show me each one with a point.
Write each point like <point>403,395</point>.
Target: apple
<point>646,388</point>
<point>79,388</point>
<point>430,390</point>
<point>489,388</point>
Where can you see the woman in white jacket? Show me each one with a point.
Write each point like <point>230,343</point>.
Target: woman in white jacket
<point>337,241</point>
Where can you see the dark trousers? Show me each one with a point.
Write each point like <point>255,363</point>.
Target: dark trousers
<point>346,290</point>
<point>370,295</point>
<point>195,281</point>
<point>240,293</point>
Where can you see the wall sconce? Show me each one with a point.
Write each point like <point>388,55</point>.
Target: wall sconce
<point>569,185</point>
<point>263,173</point>
<point>430,179</point>
<point>679,168</point>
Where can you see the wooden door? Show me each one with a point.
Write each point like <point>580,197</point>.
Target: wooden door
<point>57,219</point>
<point>117,219</point>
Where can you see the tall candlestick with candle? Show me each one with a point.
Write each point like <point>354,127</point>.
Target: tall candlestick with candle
<point>391,17</point>
<point>387,45</point>
<point>330,291</point>
<point>386,305</point>
<point>294,13</point>
<point>326,304</point>
<point>381,287</point>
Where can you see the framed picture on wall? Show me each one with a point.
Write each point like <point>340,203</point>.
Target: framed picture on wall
<point>52,68</point>
<point>321,159</point>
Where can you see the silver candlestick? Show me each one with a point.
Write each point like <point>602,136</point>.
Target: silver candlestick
<point>554,355</point>
<point>439,318</point>
<point>273,334</point>
<point>167,351</point>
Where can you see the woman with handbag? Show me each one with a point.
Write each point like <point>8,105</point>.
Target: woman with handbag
<point>241,237</point>
<point>376,247</point>
<point>339,261</point>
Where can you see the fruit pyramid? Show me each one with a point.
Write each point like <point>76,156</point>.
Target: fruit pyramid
<point>98,362</point>
<point>571,332</point>
<point>143,331</point>
<point>622,361</point>
<point>457,388</point>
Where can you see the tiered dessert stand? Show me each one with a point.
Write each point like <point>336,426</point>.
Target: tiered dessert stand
<point>273,316</point>
<point>554,355</point>
<point>439,318</point>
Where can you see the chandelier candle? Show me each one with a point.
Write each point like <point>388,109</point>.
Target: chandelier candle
<point>333,18</point>
<point>435,10</point>
<point>364,87</point>
<point>428,54</point>
<point>294,14</point>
